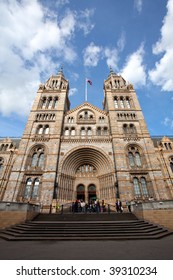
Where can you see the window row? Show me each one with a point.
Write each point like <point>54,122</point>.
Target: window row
<point>81,117</point>
<point>42,129</point>
<point>37,158</point>
<point>49,103</point>
<point>45,117</point>
<point>126,116</point>
<point>85,131</point>
<point>167,146</point>
<point>56,84</point>
<point>117,84</point>
<point>86,115</point>
<point>129,129</point>
<point>70,120</point>
<point>122,102</point>
<point>5,147</point>
<point>134,157</point>
<point>140,187</point>
<point>31,188</point>
<point>86,168</point>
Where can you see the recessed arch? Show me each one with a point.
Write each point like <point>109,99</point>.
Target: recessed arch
<point>86,155</point>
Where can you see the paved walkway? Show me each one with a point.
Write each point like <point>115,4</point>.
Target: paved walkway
<point>161,249</point>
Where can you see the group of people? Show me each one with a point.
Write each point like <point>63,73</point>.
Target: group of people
<point>93,206</point>
<point>119,207</point>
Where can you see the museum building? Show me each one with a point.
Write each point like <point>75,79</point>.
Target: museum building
<point>86,153</point>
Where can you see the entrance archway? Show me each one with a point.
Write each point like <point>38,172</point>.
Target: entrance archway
<point>80,192</point>
<point>88,166</point>
<point>92,193</point>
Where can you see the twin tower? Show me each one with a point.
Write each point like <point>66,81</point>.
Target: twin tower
<point>86,153</point>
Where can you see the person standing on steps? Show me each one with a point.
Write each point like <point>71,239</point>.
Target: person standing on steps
<point>119,208</point>
<point>128,206</point>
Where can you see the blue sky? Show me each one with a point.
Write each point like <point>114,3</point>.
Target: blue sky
<point>87,37</point>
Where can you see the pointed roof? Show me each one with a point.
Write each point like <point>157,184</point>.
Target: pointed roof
<point>86,105</point>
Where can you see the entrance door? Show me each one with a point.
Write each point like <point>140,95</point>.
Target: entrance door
<point>81,192</point>
<point>92,193</point>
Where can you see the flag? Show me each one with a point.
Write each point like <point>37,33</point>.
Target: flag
<point>89,81</point>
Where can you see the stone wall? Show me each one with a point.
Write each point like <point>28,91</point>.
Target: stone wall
<point>12,213</point>
<point>158,212</point>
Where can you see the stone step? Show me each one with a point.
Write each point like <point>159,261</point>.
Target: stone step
<point>95,237</point>
<point>85,230</point>
<point>86,217</point>
<point>116,226</point>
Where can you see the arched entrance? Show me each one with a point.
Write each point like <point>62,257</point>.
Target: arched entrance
<point>81,170</point>
<point>92,193</point>
<point>80,192</point>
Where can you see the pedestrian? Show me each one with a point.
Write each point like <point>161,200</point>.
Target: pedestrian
<point>128,206</point>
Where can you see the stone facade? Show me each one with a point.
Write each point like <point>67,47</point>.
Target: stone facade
<point>86,153</point>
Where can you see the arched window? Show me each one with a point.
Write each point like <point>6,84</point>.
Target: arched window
<point>46,129</point>
<point>50,103</point>
<point>43,105</point>
<point>37,158</point>
<point>89,131</point>
<point>1,166</point>
<point>134,157</point>
<point>125,128</point>
<point>28,188</point>
<point>73,132</point>
<point>66,131</point>
<point>166,146</point>
<point>128,103</point>
<point>138,159</point>
<point>170,146</point>
<point>136,187</point>
<point>115,102</point>
<point>144,187</point>
<point>41,160</point>
<point>83,132</point>
<point>55,102</point>
<point>105,130</point>
<point>40,129</point>
<point>86,115</point>
<point>34,159</point>
<point>122,102</point>
<point>171,164</point>
<point>35,188</point>
<point>132,128</point>
<point>99,131</point>
<point>131,159</point>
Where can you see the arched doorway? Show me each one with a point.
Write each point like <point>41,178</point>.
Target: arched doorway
<point>92,193</point>
<point>80,192</point>
<point>88,166</point>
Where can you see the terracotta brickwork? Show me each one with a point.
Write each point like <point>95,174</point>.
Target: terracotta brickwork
<point>86,152</point>
<point>156,212</point>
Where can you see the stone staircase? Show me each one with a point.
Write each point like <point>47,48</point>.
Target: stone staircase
<point>102,226</point>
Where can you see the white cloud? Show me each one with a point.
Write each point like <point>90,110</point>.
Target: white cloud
<point>111,57</point>
<point>161,75</point>
<point>84,21</point>
<point>168,122</point>
<point>138,5</point>
<point>34,39</point>
<point>73,91</point>
<point>121,42</point>
<point>134,69</point>
<point>92,55</point>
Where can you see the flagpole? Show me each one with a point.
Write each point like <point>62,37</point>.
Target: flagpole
<point>85,90</point>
